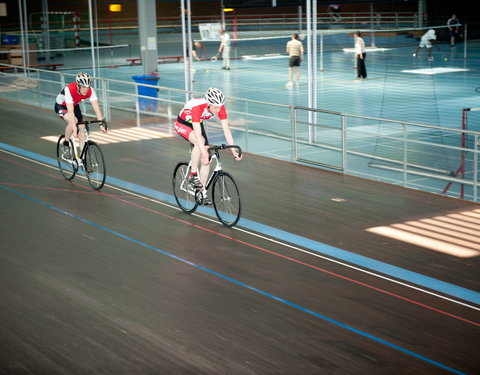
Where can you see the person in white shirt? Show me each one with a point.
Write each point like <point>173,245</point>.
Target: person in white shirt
<point>360,55</point>
<point>225,47</point>
<point>295,52</point>
<point>425,41</point>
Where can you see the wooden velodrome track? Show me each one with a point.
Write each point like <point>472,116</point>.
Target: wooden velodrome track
<point>121,282</point>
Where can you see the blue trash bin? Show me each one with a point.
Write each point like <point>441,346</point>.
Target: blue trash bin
<point>10,39</point>
<point>146,104</point>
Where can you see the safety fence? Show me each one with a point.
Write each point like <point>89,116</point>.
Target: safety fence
<point>426,157</point>
<point>414,155</point>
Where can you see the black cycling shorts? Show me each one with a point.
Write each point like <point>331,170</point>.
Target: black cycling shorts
<point>60,110</point>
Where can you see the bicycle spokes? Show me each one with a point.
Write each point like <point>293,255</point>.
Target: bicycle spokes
<point>226,199</point>
<point>94,165</point>
<point>183,191</point>
<point>68,166</point>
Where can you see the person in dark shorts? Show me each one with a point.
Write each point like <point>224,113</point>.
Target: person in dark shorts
<point>453,29</point>
<point>67,107</point>
<point>295,51</point>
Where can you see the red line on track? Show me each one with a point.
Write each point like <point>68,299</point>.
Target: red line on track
<point>431,308</point>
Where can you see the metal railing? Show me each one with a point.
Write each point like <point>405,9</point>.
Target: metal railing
<point>402,153</point>
<point>409,154</point>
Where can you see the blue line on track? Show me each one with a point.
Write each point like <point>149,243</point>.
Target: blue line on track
<point>266,294</point>
<point>352,258</point>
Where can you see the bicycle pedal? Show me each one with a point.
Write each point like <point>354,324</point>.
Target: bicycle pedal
<point>198,197</point>
<point>207,201</point>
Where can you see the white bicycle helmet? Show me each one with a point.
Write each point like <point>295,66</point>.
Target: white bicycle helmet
<point>83,79</point>
<point>214,96</point>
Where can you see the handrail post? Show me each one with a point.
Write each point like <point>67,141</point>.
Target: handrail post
<point>293,122</point>
<point>38,89</point>
<point>106,101</point>
<point>476,150</point>
<point>344,143</point>
<point>246,124</point>
<point>405,155</point>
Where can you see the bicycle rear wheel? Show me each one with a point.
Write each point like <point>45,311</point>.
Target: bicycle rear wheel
<point>95,165</point>
<point>182,190</point>
<point>226,199</point>
<point>68,167</point>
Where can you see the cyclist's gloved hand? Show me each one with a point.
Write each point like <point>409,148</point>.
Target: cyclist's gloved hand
<point>104,125</point>
<point>237,154</point>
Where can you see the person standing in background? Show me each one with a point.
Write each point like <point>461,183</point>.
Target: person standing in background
<point>360,55</point>
<point>295,51</point>
<point>225,47</point>
<point>453,27</point>
<point>334,11</point>
<point>195,48</point>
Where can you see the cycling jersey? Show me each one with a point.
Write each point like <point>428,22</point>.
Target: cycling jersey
<point>70,94</point>
<point>196,110</point>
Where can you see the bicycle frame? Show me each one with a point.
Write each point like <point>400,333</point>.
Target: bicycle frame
<point>225,195</point>
<point>89,159</point>
<point>80,158</point>
<point>218,167</point>
<point>86,130</point>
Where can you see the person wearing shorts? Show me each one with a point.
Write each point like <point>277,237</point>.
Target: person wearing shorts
<point>425,42</point>
<point>295,52</point>
<point>189,125</point>
<point>67,107</point>
<point>453,25</point>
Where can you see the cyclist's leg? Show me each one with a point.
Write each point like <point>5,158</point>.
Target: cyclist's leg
<point>71,125</point>
<point>81,133</point>
<point>195,158</point>
<point>204,168</point>
<point>195,155</point>
<point>204,171</point>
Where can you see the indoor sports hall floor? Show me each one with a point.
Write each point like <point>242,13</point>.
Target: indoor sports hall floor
<point>399,87</point>
<point>325,273</point>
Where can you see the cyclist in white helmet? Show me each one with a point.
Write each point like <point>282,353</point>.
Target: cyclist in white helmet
<point>189,125</point>
<point>67,107</point>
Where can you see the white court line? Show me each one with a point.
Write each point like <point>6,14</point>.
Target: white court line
<point>432,71</point>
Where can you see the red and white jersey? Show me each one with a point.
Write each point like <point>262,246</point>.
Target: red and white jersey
<point>70,94</point>
<point>196,110</point>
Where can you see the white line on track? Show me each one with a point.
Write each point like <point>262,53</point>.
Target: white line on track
<point>296,248</point>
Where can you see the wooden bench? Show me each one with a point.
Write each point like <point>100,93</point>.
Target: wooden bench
<point>52,66</point>
<point>134,61</point>
<point>170,59</point>
<point>162,59</point>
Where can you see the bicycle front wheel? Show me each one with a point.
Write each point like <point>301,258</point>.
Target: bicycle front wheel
<point>182,190</point>
<point>67,166</point>
<point>95,165</point>
<point>226,199</point>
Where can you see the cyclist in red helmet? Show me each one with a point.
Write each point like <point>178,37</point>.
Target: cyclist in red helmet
<point>67,107</point>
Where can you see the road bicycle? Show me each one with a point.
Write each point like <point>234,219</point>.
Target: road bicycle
<point>90,159</point>
<point>225,194</point>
